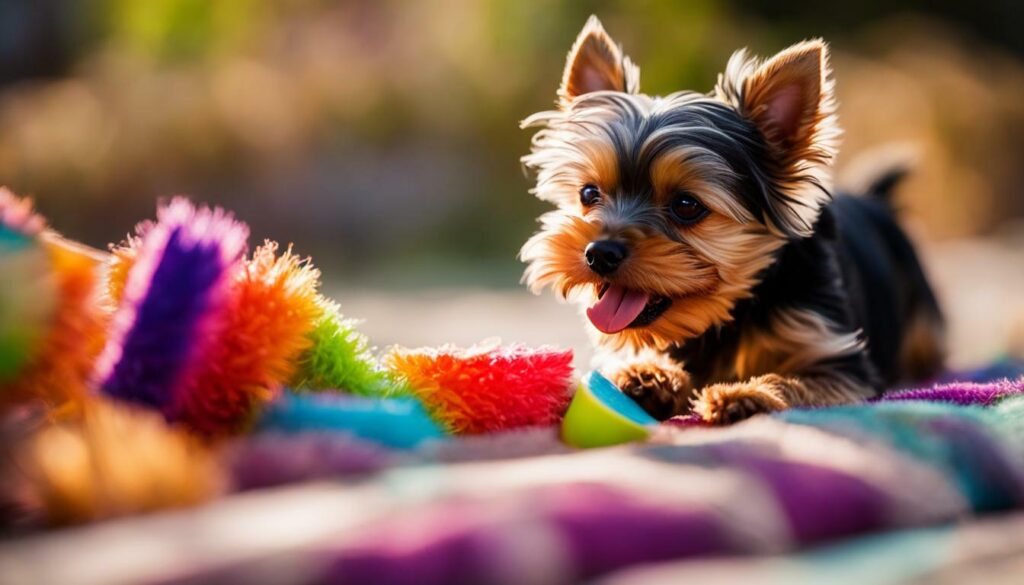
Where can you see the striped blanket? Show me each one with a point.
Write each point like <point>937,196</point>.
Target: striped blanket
<point>522,508</point>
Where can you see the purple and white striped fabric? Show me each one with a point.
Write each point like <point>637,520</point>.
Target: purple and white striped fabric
<point>480,511</point>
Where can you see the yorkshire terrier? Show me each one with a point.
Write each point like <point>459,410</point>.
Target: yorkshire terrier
<point>702,234</point>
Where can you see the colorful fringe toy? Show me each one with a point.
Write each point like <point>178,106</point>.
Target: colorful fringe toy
<point>51,321</point>
<point>339,358</point>
<point>207,337</point>
<point>201,334</point>
<point>114,460</point>
<point>185,325</point>
<point>395,422</point>
<point>28,296</point>
<point>271,311</point>
<point>480,390</point>
<point>172,304</point>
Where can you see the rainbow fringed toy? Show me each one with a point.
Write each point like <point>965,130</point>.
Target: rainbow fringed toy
<point>192,326</point>
<point>29,297</point>
<point>180,338</point>
<point>172,305</point>
<point>51,319</point>
<point>487,389</point>
<point>206,336</point>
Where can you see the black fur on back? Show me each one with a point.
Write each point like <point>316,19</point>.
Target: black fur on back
<point>858,269</point>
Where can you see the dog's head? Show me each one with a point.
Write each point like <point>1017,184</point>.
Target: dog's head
<point>669,208</point>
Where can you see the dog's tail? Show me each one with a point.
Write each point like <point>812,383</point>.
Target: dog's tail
<point>883,185</point>
<point>878,172</point>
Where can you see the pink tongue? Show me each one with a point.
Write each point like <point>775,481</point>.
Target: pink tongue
<point>614,311</point>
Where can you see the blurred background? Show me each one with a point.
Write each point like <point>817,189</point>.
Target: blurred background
<point>381,137</point>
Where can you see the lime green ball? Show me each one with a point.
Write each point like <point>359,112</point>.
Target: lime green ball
<point>601,415</point>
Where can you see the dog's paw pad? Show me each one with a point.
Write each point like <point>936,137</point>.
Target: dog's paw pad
<point>732,404</point>
<point>743,408</point>
<point>660,392</point>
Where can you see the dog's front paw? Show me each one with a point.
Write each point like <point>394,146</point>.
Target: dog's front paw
<point>662,392</point>
<point>724,404</point>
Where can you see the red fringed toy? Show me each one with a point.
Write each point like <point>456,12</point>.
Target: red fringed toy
<point>486,389</point>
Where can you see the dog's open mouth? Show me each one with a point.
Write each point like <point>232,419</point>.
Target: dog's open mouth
<point>618,308</point>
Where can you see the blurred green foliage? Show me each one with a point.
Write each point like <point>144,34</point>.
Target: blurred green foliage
<point>182,29</point>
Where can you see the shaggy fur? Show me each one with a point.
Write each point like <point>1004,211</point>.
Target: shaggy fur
<point>760,301</point>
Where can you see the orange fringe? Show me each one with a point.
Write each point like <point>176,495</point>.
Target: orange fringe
<point>114,461</point>
<point>59,372</point>
<point>274,307</point>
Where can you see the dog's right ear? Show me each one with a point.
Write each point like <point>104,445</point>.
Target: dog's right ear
<point>596,63</point>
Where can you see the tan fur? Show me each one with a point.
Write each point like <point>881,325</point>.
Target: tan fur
<point>735,252</point>
<point>726,403</point>
<point>795,341</point>
<point>705,276</point>
<point>780,366</point>
<point>554,256</point>
<point>777,368</point>
<point>922,350</point>
<point>596,165</point>
<point>661,266</point>
<point>565,161</point>
<point>700,172</point>
<point>656,263</point>
<point>731,402</point>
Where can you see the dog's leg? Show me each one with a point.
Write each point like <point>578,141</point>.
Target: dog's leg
<point>733,402</point>
<point>662,390</point>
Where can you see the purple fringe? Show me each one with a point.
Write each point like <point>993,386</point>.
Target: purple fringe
<point>171,302</point>
<point>962,393</point>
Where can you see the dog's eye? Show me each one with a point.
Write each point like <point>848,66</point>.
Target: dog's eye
<point>589,195</point>
<point>686,209</point>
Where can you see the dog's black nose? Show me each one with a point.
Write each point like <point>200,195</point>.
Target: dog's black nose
<point>605,256</point>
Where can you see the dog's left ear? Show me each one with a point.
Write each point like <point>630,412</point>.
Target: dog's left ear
<point>789,97</point>
<point>596,63</point>
<point>791,101</point>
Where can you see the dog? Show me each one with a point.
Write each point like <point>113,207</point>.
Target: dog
<point>719,272</point>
